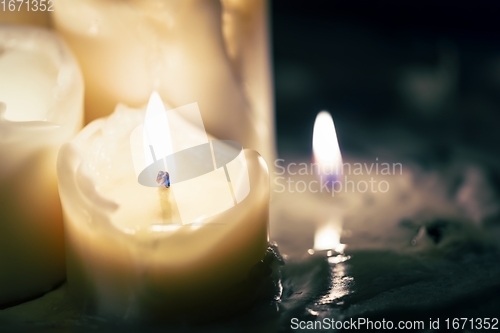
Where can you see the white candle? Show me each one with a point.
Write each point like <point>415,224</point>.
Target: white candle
<point>132,251</point>
<point>210,52</point>
<point>41,107</point>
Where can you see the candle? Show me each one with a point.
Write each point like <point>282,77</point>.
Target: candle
<point>214,53</point>
<point>136,250</point>
<point>41,107</point>
<point>304,197</point>
<point>328,161</point>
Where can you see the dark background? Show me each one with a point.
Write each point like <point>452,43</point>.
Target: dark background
<point>400,78</point>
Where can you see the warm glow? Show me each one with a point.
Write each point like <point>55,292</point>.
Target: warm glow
<point>327,237</point>
<point>157,141</point>
<point>325,146</point>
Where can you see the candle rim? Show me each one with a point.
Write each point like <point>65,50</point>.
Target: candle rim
<point>69,80</point>
<point>75,176</point>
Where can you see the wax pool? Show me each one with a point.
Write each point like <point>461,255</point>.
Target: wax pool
<point>125,257</point>
<point>41,107</point>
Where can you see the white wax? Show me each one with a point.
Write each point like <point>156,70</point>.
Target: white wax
<point>41,107</point>
<point>27,81</point>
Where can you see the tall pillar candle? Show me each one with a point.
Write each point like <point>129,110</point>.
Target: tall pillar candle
<point>211,52</point>
<point>41,107</point>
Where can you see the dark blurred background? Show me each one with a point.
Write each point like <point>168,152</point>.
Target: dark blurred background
<point>400,78</point>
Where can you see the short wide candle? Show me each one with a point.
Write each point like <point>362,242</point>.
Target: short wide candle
<point>41,107</point>
<point>128,257</point>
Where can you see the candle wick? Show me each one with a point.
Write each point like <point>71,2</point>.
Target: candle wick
<point>163,179</point>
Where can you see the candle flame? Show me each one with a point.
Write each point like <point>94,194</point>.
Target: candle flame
<point>157,140</point>
<point>326,147</point>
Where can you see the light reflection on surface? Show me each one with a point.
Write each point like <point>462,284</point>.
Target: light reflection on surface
<point>340,285</point>
<point>338,259</point>
<point>312,312</point>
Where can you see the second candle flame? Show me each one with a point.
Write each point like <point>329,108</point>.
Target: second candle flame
<point>326,148</point>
